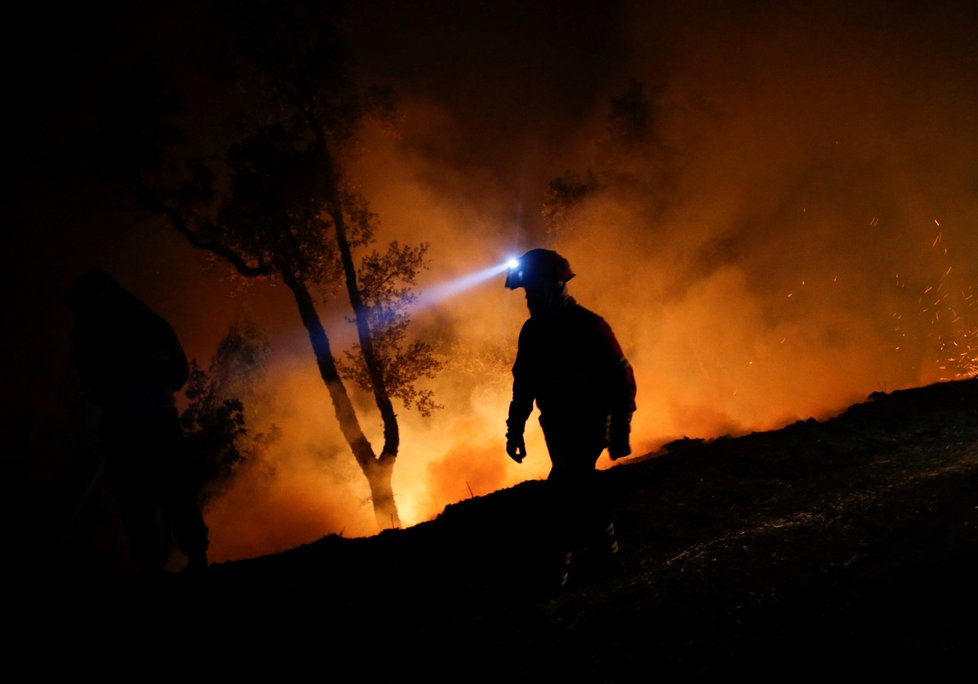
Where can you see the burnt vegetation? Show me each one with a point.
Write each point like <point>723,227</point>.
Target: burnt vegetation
<point>846,546</point>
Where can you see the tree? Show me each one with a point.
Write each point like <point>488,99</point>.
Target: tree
<point>274,201</point>
<point>214,421</point>
<point>564,194</point>
<point>386,280</point>
<point>633,157</point>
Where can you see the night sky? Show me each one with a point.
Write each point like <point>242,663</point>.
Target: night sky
<point>796,228</point>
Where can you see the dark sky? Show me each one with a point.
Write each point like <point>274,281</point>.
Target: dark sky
<point>799,228</point>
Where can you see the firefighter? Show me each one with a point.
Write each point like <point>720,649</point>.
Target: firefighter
<point>132,363</point>
<point>570,363</point>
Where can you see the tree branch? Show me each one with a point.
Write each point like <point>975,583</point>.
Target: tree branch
<point>226,253</point>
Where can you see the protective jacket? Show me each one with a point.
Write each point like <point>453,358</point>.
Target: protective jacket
<point>570,363</point>
<point>132,362</point>
<point>129,357</point>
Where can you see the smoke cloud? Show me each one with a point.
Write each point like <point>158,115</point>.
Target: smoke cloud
<point>794,230</point>
<point>778,215</point>
<point>788,225</point>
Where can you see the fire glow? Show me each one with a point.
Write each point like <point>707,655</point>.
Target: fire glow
<point>731,254</point>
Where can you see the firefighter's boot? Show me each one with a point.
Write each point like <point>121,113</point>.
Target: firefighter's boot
<point>608,561</point>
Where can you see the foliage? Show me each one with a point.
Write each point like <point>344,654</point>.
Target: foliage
<point>564,193</point>
<point>241,359</point>
<point>214,421</point>
<point>630,147</point>
<point>213,427</point>
<point>386,281</point>
<point>266,192</point>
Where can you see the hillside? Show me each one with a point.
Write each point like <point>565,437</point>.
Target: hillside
<point>842,547</point>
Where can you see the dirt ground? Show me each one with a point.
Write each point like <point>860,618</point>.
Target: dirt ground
<point>835,548</point>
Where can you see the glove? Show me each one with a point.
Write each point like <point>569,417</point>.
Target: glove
<point>515,446</point>
<point>619,428</point>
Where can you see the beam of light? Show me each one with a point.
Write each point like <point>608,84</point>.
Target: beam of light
<point>298,340</point>
<point>445,290</point>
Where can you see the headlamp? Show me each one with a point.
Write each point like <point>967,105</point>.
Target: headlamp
<point>514,274</point>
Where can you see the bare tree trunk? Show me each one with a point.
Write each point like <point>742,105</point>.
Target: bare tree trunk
<point>378,471</point>
<point>392,437</point>
<point>381,490</point>
<point>382,468</point>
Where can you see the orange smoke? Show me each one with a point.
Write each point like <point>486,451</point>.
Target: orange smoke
<point>797,231</point>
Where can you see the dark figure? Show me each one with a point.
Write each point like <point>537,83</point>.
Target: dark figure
<point>132,363</point>
<point>571,364</point>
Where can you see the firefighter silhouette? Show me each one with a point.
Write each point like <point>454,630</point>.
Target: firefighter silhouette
<point>570,363</point>
<point>132,363</point>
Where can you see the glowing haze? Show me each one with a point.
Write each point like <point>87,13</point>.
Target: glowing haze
<point>790,224</point>
<point>796,228</point>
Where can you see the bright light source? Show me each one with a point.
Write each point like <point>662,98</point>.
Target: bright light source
<point>512,263</point>
<point>439,292</point>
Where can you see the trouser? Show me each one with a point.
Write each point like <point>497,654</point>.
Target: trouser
<point>149,471</point>
<point>579,500</point>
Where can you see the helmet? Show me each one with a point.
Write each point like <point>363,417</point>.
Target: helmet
<point>538,263</point>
